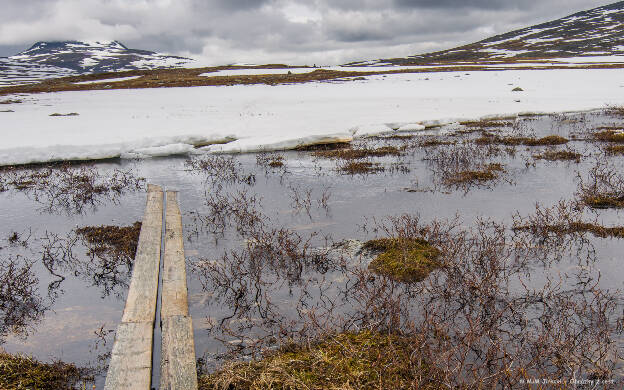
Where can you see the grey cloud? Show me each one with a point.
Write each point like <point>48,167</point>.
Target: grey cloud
<point>273,30</point>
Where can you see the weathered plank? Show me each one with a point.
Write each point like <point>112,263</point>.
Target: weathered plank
<point>178,369</point>
<point>142,294</point>
<point>130,366</point>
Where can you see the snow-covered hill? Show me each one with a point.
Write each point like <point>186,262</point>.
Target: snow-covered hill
<point>57,59</point>
<point>598,32</point>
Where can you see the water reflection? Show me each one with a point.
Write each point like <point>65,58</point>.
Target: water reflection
<point>69,188</point>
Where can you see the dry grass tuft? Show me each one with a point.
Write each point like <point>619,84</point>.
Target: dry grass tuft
<point>354,154</point>
<point>486,173</point>
<point>615,149</point>
<point>360,167</point>
<point>402,259</point>
<point>487,124</point>
<point>433,142</point>
<point>526,141</point>
<point>23,372</point>
<point>560,155</point>
<point>611,135</point>
<point>347,361</point>
<point>119,242</point>
<point>69,114</point>
<point>270,160</point>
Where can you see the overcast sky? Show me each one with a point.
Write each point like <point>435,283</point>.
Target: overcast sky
<point>285,31</point>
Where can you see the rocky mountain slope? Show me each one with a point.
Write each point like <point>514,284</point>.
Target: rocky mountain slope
<point>595,32</point>
<point>57,59</point>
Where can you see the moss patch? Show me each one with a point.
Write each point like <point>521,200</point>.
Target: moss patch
<point>526,141</point>
<point>364,360</point>
<point>112,240</point>
<point>402,259</point>
<point>23,372</point>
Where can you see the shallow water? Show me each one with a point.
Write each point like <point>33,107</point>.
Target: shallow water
<point>79,309</point>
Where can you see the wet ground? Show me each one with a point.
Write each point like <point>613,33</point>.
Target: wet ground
<point>66,300</point>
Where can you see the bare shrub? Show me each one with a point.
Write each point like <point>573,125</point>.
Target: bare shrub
<point>603,187</point>
<point>70,188</point>
<point>220,171</point>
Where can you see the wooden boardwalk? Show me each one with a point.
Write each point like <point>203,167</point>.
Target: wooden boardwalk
<point>130,365</point>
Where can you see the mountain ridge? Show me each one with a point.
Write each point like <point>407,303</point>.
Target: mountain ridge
<point>593,32</point>
<point>50,59</point>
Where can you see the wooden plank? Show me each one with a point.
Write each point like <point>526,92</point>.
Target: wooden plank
<point>130,366</point>
<point>143,291</point>
<point>178,367</point>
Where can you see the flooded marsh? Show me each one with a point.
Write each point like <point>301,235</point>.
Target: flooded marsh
<point>495,247</point>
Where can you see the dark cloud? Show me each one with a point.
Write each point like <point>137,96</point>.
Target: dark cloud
<point>479,4</point>
<point>295,31</point>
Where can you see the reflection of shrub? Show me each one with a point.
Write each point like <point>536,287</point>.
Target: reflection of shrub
<point>20,304</point>
<point>364,360</point>
<point>22,372</point>
<point>402,259</point>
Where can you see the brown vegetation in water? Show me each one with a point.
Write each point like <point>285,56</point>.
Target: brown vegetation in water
<point>114,241</point>
<point>615,149</point>
<point>565,218</point>
<point>559,155</point>
<point>18,372</point>
<point>526,141</point>
<point>354,154</point>
<point>359,167</point>
<point>485,173</point>
<point>610,135</point>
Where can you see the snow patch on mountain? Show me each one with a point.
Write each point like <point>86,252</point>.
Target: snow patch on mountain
<point>71,58</point>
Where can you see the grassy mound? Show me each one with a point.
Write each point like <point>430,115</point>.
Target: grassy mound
<point>22,372</point>
<point>404,260</point>
<point>348,361</point>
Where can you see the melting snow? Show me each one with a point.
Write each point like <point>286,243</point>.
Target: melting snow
<point>163,121</point>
